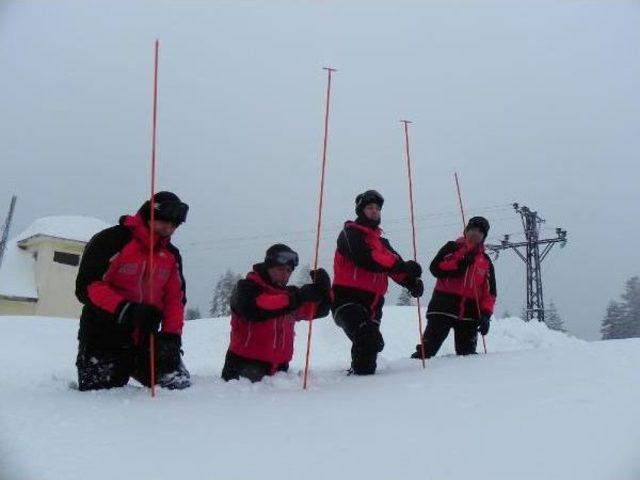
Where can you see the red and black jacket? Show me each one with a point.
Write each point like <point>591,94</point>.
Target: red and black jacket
<point>462,292</point>
<point>114,270</point>
<point>263,316</point>
<point>363,263</point>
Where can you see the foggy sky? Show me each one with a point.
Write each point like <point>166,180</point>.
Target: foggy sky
<point>531,102</point>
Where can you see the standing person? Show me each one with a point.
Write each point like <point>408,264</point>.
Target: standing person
<point>464,295</point>
<point>363,263</point>
<point>264,310</point>
<point>124,303</point>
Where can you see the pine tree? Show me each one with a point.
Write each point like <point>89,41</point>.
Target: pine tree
<point>193,313</point>
<point>622,319</point>
<point>612,322</point>
<point>631,302</point>
<point>405,299</point>
<point>222,294</point>
<point>553,320</point>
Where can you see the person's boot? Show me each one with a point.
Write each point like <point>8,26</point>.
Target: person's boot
<point>177,379</point>
<point>171,372</point>
<point>418,353</point>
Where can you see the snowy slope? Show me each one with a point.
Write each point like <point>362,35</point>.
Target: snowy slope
<point>541,405</point>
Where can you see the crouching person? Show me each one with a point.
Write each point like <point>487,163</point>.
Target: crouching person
<point>264,311</point>
<point>124,303</point>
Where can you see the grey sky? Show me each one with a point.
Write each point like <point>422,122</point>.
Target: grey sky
<point>532,102</point>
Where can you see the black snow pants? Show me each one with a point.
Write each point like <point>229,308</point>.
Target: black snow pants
<point>236,366</point>
<point>364,334</point>
<point>437,330</point>
<point>100,368</point>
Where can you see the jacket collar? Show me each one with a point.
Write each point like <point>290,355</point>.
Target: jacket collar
<point>362,227</point>
<point>462,242</point>
<point>140,231</point>
<point>260,275</point>
<point>364,221</point>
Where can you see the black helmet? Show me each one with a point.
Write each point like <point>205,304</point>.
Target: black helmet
<point>279,255</point>
<point>167,206</point>
<point>365,198</point>
<point>480,223</point>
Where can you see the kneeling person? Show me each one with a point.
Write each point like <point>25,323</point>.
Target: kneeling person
<point>464,295</point>
<point>264,311</point>
<point>124,303</point>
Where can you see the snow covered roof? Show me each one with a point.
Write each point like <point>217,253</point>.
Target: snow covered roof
<point>68,227</point>
<point>18,272</point>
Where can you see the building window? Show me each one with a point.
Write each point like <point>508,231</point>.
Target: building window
<point>66,258</point>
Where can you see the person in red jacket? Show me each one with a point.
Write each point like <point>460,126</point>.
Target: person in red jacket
<point>124,302</point>
<point>363,263</point>
<point>264,310</point>
<point>464,295</point>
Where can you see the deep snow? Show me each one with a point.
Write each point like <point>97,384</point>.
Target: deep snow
<point>541,405</point>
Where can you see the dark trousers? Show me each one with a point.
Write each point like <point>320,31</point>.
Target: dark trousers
<point>101,368</point>
<point>365,336</point>
<point>236,366</point>
<point>437,330</point>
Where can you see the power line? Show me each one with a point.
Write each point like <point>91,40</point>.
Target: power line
<point>243,242</point>
<point>332,228</point>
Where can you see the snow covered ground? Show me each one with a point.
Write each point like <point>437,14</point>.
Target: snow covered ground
<point>541,405</point>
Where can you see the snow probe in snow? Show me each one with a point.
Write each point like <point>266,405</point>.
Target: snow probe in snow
<point>152,360</point>
<point>319,225</point>
<point>464,225</point>
<point>413,231</point>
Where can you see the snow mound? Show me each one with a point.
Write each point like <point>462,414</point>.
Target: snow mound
<point>509,334</point>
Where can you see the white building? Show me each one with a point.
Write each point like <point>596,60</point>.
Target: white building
<point>39,267</point>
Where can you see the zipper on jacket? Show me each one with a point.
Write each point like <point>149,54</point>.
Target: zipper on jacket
<point>275,333</point>
<point>464,297</point>
<point>246,342</point>
<point>144,267</point>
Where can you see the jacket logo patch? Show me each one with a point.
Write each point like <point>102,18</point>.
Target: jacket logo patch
<point>163,272</point>
<point>128,268</point>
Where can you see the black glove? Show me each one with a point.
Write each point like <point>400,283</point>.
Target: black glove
<point>467,260</point>
<point>416,289</point>
<point>294,297</point>
<point>483,327</point>
<point>411,268</point>
<point>140,315</point>
<point>321,279</point>
<point>310,293</point>
<point>168,351</point>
